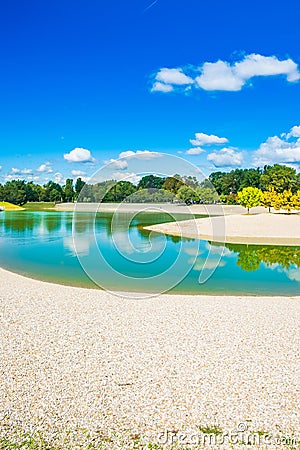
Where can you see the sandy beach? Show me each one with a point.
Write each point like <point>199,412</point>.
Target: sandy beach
<point>172,208</point>
<point>74,359</point>
<point>259,228</point>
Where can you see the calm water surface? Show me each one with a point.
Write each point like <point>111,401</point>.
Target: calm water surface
<point>125,257</point>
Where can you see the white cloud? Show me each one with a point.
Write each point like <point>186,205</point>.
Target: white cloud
<point>79,155</point>
<point>219,76</point>
<point>33,178</point>
<point>293,274</point>
<point>46,168</point>
<point>295,132</point>
<point>78,173</point>
<point>161,87</point>
<point>257,65</point>
<point>173,76</point>
<point>208,264</point>
<point>126,176</point>
<point>195,151</point>
<point>17,171</point>
<point>279,149</point>
<point>227,157</point>
<point>140,154</point>
<point>0,167</point>
<point>117,164</point>
<point>59,178</point>
<point>207,139</point>
<point>225,76</point>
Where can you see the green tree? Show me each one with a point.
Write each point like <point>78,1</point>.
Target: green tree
<point>187,194</point>
<point>14,192</point>
<point>151,181</point>
<point>48,187</point>
<point>250,197</point>
<point>172,184</point>
<point>122,190</point>
<point>79,185</point>
<point>55,196</point>
<point>279,177</point>
<point>69,190</point>
<point>207,194</point>
<point>250,178</point>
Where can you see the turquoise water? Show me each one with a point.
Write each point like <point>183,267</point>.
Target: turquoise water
<point>119,255</point>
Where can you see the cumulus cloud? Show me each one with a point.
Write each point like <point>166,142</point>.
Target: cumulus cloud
<point>79,155</point>
<point>295,132</point>
<point>161,87</point>
<point>33,178</point>
<point>195,151</point>
<point>257,65</point>
<point>226,157</point>
<point>78,173</point>
<point>173,77</point>
<point>117,164</point>
<point>207,139</point>
<point>284,149</point>
<point>45,168</point>
<point>17,171</point>
<point>59,178</point>
<point>126,176</point>
<point>140,154</point>
<point>219,76</point>
<point>225,76</point>
<point>0,167</point>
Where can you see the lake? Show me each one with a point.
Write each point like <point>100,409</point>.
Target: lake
<point>115,253</point>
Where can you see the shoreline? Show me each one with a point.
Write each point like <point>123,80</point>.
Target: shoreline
<point>257,229</point>
<point>141,295</point>
<point>209,209</point>
<point>84,358</point>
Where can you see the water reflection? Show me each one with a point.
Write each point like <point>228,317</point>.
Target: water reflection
<point>41,244</point>
<point>250,257</point>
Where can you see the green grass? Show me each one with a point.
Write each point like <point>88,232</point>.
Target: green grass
<point>38,206</point>
<point>10,207</point>
<point>211,429</point>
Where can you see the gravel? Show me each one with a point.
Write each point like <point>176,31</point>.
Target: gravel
<point>77,359</point>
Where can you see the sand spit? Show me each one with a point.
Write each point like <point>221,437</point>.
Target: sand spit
<point>265,228</point>
<point>77,359</point>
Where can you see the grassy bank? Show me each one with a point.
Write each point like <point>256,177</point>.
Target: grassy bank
<point>11,207</point>
<point>31,206</point>
<point>39,206</point>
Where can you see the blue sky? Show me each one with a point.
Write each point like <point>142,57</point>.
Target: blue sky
<point>92,80</point>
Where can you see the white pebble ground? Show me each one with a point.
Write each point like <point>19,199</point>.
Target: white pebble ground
<point>75,358</point>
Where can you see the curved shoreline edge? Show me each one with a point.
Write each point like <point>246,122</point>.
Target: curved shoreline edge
<point>258,229</point>
<point>21,279</point>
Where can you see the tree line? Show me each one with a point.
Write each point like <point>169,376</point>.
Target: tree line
<point>276,186</point>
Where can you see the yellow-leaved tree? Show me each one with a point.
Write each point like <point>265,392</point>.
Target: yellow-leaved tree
<point>269,198</point>
<point>296,200</point>
<point>284,200</point>
<point>250,197</point>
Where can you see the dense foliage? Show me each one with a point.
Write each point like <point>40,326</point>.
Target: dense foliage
<point>275,187</point>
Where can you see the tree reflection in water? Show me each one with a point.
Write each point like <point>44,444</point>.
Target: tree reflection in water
<point>251,256</point>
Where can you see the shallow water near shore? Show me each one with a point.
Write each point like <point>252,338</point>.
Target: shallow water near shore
<point>117,253</point>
